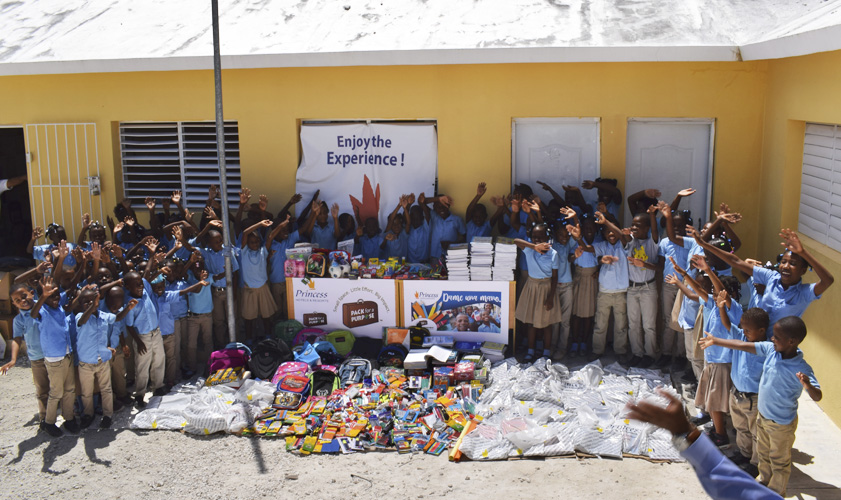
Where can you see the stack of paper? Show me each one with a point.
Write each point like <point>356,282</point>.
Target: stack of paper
<point>481,258</point>
<point>494,351</point>
<point>417,359</point>
<point>505,259</point>
<point>457,259</point>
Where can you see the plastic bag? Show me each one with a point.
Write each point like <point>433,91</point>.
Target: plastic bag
<point>158,419</point>
<point>259,393</point>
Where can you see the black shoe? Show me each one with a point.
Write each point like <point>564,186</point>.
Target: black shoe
<point>138,401</point>
<point>740,459</point>
<point>750,469</point>
<point>52,429</point>
<point>105,423</point>
<point>664,360</point>
<point>126,400</point>
<point>71,426</point>
<point>160,391</point>
<point>719,439</point>
<point>634,361</point>
<point>699,421</point>
<point>593,356</point>
<point>646,362</point>
<point>87,420</point>
<point>689,378</point>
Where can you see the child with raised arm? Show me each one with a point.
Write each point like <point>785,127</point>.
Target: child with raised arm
<point>396,239</point>
<point>671,340</point>
<point>418,227</point>
<point>142,324</point>
<point>446,228</point>
<point>642,291</point>
<point>477,216</point>
<point>538,306</point>
<point>322,226</point>
<point>257,301</point>
<point>613,288</point>
<point>282,238</point>
<point>784,376</point>
<point>564,245</point>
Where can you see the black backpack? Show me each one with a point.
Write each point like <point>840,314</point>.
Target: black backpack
<point>323,383</point>
<point>392,355</point>
<point>267,356</point>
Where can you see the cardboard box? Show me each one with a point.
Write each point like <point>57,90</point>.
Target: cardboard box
<point>6,281</point>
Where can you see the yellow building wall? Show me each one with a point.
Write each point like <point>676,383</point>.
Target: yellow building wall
<point>799,90</point>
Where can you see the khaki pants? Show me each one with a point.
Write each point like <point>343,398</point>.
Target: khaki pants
<point>642,320</point>
<point>773,445</point>
<point>560,332</point>
<point>744,411</point>
<point>279,296</point>
<point>617,302</point>
<point>689,342</point>
<point>220,322</point>
<point>42,386</point>
<point>199,330</point>
<point>149,365</point>
<point>118,373</point>
<point>172,352</point>
<point>62,389</point>
<point>671,341</point>
<point>89,374</point>
<point>131,360</point>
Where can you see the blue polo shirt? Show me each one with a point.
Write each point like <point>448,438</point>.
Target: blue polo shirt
<point>613,278</point>
<point>166,320</point>
<point>255,266</point>
<point>489,328</point>
<point>322,237</point>
<point>713,324</point>
<point>540,265</point>
<point>92,337</point>
<point>178,307</point>
<point>779,302</point>
<point>371,246</point>
<point>587,259</point>
<point>277,260</point>
<point>214,262</point>
<point>666,249</point>
<point>473,230</point>
<point>419,243</point>
<point>55,327</point>
<point>40,252</point>
<point>202,301</point>
<point>449,229</point>
<point>144,316</point>
<point>746,370</point>
<point>779,388</point>
<point>564,267</point>
<point>398,247</point>
<point>25,326</point>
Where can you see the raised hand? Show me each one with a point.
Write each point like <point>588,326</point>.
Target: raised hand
<point>791,241</point>
<point>263,202</point>
<point>48,286</point>
<point>601,207</point>
<point>568,212</point>
<point>215,223</point>
<point>707,340</point>
<point>203,274</point>
<point>244,196</point>
<point>129,220</point>
<point>86,221</point>
<point>295,198</point>
<point>609,259</point>
<point>686,192</point>
<point>150,203</point>
<point>266,222</point>
<point>152,244</point>
<point>599,217</point>
<point>37,232</point>
<point>497,201</point>
<point>411,198</point>
<point>481,189</point>
<point>574,231</point>
<point>334,210</point>
<point>421,198</point>
<point>177,233</point>
<point>700,263</point>
<point>679,269</point>
<point>652,209</point>
<point>692,232</point>
<point>212,192</point>
<point>446,201</point>
<point>672,279</point>
<point>571,189</point>
<point>96,251</point>
<point>63,250</point>
<point>653,193</point>
<point>722,298</point>
<point>672,417</point>
<point>753,263</point>
<point>588,184</point>
<point>176,197</point>
<point>542,247</point>
<point>664,208</point>
<point>210,213</point>
<point>43,267</point>
<point>390,236</point>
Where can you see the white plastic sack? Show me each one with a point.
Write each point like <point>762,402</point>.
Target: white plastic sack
<point>158,419</point>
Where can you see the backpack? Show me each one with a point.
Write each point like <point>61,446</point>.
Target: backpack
<point>417,334</point>
<point>291,391</point>
<point>290,367</point>
<point>392,355</point>
<point>268,354</point>
<point>227,358</point>
<point>354,371</point>
<point>287,329</point>
<point>342,340</point>
<point>366,347</point>
<point>327,353</point>
<point>317,265</point>
<point>307,354</point>
<point>311,335</point>
<point>323,383</point>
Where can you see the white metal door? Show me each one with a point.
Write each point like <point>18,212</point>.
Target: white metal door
<point>556,151</point>
<point>671,155</point>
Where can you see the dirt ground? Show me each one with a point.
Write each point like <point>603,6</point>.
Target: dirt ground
<point>123,463</point>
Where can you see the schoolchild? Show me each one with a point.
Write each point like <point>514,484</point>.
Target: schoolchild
<point>257,301</point>
<point>396,239</point>
<point>197,345</point>
<point>418,228</point>
<point>477,216</point>
<point>642,290</point>
<point>672,345</point>
<point>446,228</point>
<point>370,240</point>
<point>322,227</point>
<point>282,239</point>
<point>142,324</point>
<point>585,286</point>
<point>564,245</point>
<point>118,339</point>
<point>608,194</point>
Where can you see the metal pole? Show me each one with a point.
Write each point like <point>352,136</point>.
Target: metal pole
<point>223,181</point>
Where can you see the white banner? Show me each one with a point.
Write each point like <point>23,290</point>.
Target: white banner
<point>474,311</point>
<point>367,166</point>
<point>362,306</point>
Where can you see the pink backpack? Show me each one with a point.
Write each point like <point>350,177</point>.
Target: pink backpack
<point>290,368</point>
<point>227,358</point>
<point>311,335</point>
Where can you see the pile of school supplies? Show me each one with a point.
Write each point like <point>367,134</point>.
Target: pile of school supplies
<point>505,259</point>
<point>493,351</point>
<point>544,410</point>
<point>481,258</point>
<point>457,262</point>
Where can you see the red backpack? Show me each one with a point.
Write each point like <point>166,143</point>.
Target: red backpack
<point>227,358</point>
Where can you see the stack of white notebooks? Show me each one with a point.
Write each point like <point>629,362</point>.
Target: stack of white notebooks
<point>505,259</point>
<point>457,262</point>
<point>481,258</point>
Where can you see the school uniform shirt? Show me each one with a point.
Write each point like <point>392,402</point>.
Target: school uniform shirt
<point>142,251</point>
<point>277,260</point>
<point>613,277</point>
<point>178,307</point>
<point>646,250</point>
<point>40,252</point>
<point>55,329</point>
<point>489,328</point>
<point>713,324</point>
<point>144,316</point>
<point>323,237</point>
<point>370,246</point>
<point>746,370</point>
<point>26,326</point>
<point>255,266</point>
<point>114,329</point>
<point>665,249</point>
<point>473,230</point>
<point>182,253</point>
<point>200,302</point>
<point>779,388</point>
<point>779,302</point>
<point>398,247</point>
<point>92,337</point>
<point>564,267</point>
<point>587,259</point>
<point>166,320</point>
<point>612,209</point>
<point>419,243</point>
<point>449,229</point>
<point>540,265</point>
<point>214,262</point>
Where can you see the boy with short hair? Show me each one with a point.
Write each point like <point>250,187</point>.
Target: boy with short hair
<point>784,376</point>
<point>142,324</point>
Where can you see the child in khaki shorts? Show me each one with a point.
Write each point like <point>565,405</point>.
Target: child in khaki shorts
<point>257,301</point>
